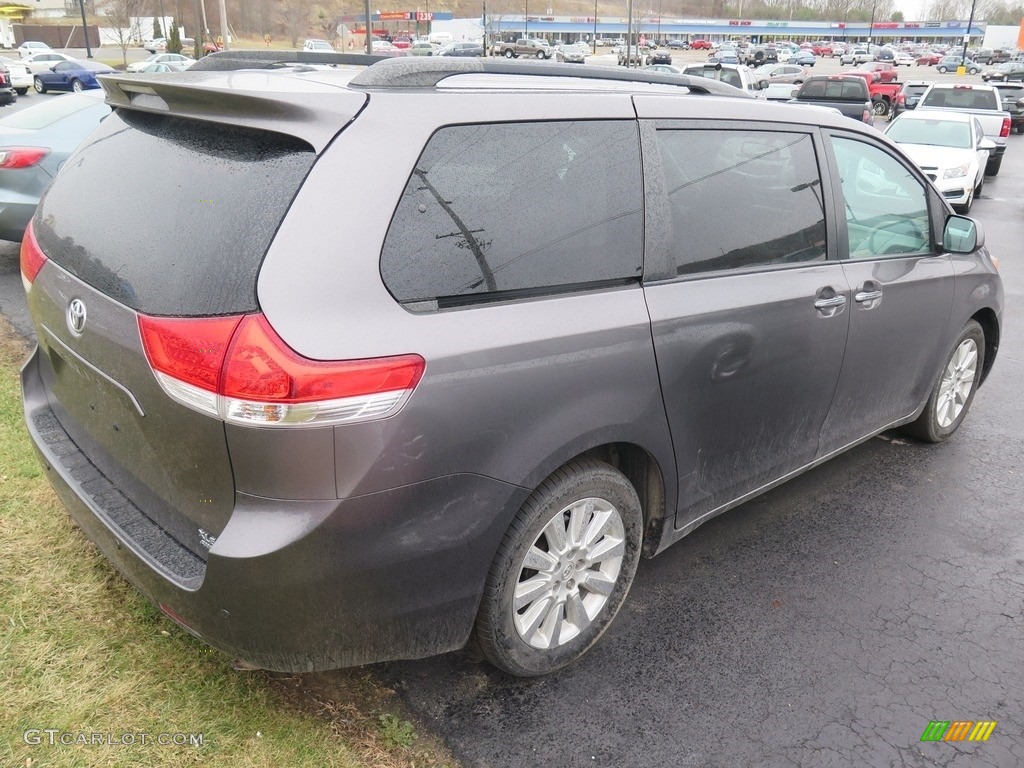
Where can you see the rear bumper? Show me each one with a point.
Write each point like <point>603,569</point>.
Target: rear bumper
<point>299,586</point>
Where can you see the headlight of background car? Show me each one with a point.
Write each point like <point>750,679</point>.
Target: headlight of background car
<point>956,173</point>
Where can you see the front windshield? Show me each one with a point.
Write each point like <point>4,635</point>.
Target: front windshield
<point>935,133</point>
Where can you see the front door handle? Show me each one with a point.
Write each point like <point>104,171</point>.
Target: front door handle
<point>835,301</point>
<point>863,296</point>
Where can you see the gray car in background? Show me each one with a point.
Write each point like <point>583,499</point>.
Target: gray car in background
<point>322,423</point>
<point>34,143</point>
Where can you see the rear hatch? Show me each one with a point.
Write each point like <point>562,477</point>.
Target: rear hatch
<point>155,216</point>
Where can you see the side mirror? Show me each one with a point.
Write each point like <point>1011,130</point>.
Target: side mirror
<point>962,235</point>
<point>986,144</point>
<point>762,85</point>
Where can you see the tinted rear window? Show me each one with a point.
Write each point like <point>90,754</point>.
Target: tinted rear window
<point>492,210</point>
<point>171,216</point>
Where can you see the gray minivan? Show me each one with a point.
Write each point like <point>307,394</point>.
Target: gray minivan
<point>438,351</point>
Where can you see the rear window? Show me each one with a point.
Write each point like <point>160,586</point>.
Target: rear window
<point>960,98</point>
<point>838,90</point>
<point>496,211</point>
<point>171,216</point>
<point>50,111</point>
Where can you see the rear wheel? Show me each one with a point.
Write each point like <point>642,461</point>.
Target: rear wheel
<point>993,165</point>
<point>954,390</point>
<point>76,86</point>
<point>540,55</point>
<point>21,91</point>
<point>39,85</point>
<point>941,69</point>
<point>880,107</point>
<point>562,571</point>
<point>509,54</point>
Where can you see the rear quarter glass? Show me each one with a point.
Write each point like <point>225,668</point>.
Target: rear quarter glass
<point>170,216</point>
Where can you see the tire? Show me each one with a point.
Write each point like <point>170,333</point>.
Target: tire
<point>509,54</point>
<point>973,71</point>
<point>39,85</point>
<point>993,165</point>
<point>1020,128</point>
<point>981,186</point>
<point>540,55</point>
<point>954,388</point>
<point>965,209</point>
<point>941,70</point>
<point>76,86</point>
<point>21,91</point>
<point>880,107</point>
<point>560,614</point>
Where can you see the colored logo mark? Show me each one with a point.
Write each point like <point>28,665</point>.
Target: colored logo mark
<point>958,730</point>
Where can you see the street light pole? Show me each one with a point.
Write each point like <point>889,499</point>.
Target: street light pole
<point>526,21</point>
<point>871,26</point>
<point>594,41</point>
<point>967,37</point>
<point>629,35</point>
<point>85,30</point>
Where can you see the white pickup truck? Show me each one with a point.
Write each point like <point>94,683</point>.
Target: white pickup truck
<point>983,102</point>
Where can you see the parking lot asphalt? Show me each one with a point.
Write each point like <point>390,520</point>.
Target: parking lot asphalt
<point>823,624</point>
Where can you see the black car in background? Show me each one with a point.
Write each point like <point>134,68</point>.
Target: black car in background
<point>1012,97</point>
<point>7,94</point>
<point>908,96</point>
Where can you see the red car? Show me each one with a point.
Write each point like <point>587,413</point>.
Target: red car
<point>887,72</point>
<point>700,45</point>
<point>401,42</point>
<point>821,50</point>
<point>929,59</point>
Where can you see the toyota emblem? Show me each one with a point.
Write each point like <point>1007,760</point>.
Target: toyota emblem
<point>76,316</point>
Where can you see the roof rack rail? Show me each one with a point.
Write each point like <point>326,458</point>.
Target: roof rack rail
<point>423,72</point>
<point>416,72</point>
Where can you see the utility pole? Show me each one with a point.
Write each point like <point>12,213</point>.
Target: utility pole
<point>369,27</point>
<point>224,24</point>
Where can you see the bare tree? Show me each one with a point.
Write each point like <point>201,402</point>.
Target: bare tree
<point>122,18</point>
<point>294,15</point>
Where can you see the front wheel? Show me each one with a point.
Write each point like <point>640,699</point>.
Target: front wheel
<point>76,86</point>
<point>562,571</point>
<point>509,55</point>
<point>953,393</point>
<point>39,85</point>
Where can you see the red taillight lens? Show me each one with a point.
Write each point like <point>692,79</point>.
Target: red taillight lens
<point>260,366</point>
<point>239,369</point>
<point>21,157</point>
<point>32,257</point>
<point>901,99</point>
<point>1005,130</point>
<point>190,350</point>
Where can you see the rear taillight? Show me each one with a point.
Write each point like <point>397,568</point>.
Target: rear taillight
<point>21,157</point>
<point>238,369</point>
<point>901,99</point>
<point>1005,130</point>
<point>32,258</point>
<point>867,116</point>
